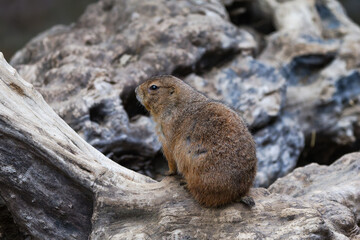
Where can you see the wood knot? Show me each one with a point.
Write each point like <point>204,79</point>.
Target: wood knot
<point>17,89</point>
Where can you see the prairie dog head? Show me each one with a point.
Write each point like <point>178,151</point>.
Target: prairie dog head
<point>157,93</point>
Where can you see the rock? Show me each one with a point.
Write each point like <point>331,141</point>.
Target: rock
<point>314,48</point>
<point>334,191</point>
<point>295,77</point>
<point>255,89</point>
<point>88,71</point>
<point>278,148</point>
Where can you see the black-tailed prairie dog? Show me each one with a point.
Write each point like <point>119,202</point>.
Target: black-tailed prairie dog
<point>204,140</point>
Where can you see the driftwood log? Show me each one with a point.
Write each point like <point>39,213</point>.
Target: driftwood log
<point>57,186</point>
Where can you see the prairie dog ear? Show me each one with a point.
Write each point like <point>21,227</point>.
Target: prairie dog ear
<point>172,90</point>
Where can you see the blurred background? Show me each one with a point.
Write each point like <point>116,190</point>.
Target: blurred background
<point>21,20</point>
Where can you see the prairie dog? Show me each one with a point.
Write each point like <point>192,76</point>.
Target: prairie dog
<point>205,141</point>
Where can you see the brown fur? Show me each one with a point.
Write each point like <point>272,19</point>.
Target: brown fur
<point>205,141</point>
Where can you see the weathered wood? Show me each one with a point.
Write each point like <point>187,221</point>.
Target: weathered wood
<point>48,173</point>
<point>59,187</point>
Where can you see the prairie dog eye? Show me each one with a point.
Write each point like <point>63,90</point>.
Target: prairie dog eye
<point>153,87</point>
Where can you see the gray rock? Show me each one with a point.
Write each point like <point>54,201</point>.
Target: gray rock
<point>278,148</point>
<point>88,71</point>
<point>253,88</point>
<point>307,67</point>
<point>314,48</point>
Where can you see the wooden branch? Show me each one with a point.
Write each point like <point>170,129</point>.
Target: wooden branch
<point>48,173</point>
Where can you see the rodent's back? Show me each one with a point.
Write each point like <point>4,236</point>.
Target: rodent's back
<point>216,154</point>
